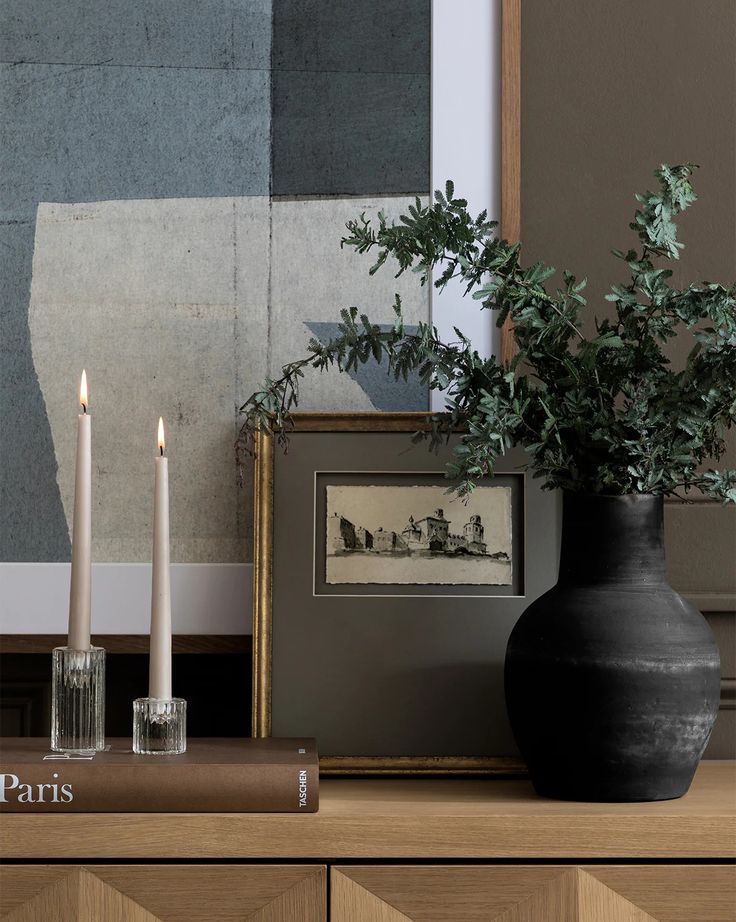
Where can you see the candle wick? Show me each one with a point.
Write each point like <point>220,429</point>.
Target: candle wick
<point>161,449</point>
<point>84,408</point>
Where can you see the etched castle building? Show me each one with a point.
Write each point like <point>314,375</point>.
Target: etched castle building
<point>342,535</point>
<point>429,535</point>
<point>473,533</point>
<point>432,533</point>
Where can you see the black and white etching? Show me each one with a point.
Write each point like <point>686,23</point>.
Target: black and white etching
<point>418,535</point>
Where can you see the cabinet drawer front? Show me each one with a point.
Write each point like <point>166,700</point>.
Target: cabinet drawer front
<point>542,893</point>
<point>147,893</point>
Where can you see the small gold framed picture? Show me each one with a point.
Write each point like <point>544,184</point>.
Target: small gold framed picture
<point>383,602</point>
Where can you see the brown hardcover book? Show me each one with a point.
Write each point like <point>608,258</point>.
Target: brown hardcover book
<point>212,776</point>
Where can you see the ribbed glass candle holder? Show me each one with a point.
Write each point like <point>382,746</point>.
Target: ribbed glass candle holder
<point>78,700</point>
<point>159,726</point>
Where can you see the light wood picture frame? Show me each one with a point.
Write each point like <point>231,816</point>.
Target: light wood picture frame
<point>510,223</point>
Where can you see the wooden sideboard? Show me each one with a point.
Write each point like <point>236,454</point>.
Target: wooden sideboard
<point>384,851</point>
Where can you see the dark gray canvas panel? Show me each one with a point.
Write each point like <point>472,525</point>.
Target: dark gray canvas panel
<point>350,133</point>
<point>97,133</point>
<point>32,522</point>
<point>385,36</point>
<point>154,33</point>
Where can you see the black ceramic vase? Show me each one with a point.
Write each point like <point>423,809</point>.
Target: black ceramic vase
<point>612,678</point>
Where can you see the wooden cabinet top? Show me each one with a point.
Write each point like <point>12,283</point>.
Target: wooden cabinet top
<point>404,818</point>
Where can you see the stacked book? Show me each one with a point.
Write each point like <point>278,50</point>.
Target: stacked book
<point>212,776</point>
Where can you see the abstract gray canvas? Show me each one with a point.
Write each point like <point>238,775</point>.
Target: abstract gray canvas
<point>174,190</point>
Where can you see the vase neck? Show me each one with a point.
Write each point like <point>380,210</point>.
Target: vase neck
<point>612,538</point>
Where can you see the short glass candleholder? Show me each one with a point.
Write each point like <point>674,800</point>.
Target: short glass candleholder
<point>78,700</point>
<point>159,726</point>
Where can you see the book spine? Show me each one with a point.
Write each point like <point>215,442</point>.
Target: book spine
<point>222,788</point>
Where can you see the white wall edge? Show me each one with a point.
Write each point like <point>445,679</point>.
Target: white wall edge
<point>207,598</point>
<point>466,148</point>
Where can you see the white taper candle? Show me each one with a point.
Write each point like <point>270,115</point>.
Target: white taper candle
<point>159,674</point>
<point>80,591</point>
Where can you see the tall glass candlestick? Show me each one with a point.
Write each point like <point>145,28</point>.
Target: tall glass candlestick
<point>78,670</point>
<point>159,721</point>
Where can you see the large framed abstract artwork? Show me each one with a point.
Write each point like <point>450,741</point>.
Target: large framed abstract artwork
<point>383,603</point>
<point>175,183</point>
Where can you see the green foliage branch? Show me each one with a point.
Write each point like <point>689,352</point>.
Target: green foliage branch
<point>601,413</point>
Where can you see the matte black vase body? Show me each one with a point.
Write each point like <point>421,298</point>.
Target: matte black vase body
<point>612,678</point>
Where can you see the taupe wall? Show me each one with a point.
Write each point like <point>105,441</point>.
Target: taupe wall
<point>610,90</point>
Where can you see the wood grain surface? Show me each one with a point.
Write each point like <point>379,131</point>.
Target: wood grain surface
<point>135,893</point>
<point>405,818</point>
<point>502,893</point>
<point>510,142</point>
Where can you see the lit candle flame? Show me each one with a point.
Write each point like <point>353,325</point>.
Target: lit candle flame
<point>161,439</point>
<point>83,398</point>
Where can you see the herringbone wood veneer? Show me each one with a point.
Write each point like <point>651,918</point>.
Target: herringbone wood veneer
<point>534,894</point>
<point>162,893</point>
